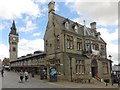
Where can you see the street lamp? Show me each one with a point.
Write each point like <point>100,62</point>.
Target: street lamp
<point>110,64</point>
<point>110,57</point>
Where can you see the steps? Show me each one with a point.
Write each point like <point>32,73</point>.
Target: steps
<point>97,80</point>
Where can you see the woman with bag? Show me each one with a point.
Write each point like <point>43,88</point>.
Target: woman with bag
<point>26,75</point>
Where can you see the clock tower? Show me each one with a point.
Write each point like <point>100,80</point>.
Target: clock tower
<point>13,43</point>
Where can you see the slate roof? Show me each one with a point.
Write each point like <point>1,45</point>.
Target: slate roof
<point>28,56</point>
<point>89,32</point>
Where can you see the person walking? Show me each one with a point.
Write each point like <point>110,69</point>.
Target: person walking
<point>26,75</point>
<point>21,76</point>
<point>2,72</point>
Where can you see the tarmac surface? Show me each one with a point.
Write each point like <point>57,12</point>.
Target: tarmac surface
<point>11,80</point>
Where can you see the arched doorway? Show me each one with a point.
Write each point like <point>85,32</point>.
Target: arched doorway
<point>94,68</point>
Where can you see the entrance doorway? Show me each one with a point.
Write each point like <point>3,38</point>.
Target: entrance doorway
<point>94,68</point>
<point>93,72</point>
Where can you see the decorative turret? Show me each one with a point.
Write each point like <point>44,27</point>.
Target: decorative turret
<point>51,6</point>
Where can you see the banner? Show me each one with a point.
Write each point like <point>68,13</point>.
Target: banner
<point>95,52</point>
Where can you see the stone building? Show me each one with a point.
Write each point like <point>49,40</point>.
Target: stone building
<point>77,51</point>
<point>6,62</point>
<point>13,42</point>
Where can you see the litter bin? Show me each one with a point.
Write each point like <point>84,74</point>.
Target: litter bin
<point>43,74</point>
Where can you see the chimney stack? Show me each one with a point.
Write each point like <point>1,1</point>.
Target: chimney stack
<point>93,25</point>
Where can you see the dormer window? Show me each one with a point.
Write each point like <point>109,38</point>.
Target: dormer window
<point>76,28</point>
<point>67,25</point>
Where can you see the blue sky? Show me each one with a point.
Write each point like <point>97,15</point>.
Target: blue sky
<point>31,18</point>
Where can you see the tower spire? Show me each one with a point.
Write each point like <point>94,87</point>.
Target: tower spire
<point>13,28</point>
<point>13,25</point>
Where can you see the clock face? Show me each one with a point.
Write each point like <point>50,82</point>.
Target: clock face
<point>14,38</point>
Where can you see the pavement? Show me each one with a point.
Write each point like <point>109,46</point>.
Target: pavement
<point>11,80</point>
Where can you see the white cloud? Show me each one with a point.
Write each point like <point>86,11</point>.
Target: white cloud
<point>108,37</point>
<point>69,1</point>
<point>105,13</point>
<point>36,34</point>
<point>2,26</point>
<point>112,49</point>
<point>42,1</point>
<point>29,46</point>
<point>24,47</point>
<point>30,26</point>
<point>4,51</point>
<point>10,9</point>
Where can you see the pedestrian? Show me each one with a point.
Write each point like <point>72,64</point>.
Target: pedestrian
<point>2,72</point>
<point>21,75</point>
<point>26,75</point>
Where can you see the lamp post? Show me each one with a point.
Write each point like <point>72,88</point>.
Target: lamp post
<point>71,69</point>
<point>110,66</point>
<point>110,62</point>
<point>110,57</point>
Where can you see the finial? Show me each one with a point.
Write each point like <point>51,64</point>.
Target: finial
<point>84,22</point>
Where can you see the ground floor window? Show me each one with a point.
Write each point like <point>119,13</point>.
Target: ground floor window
<point>80,67</point>
<point>105,68</point>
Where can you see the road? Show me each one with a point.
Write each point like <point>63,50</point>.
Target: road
<point>11,80</point>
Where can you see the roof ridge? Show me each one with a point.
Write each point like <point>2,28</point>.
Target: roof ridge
<point>68,19</point>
